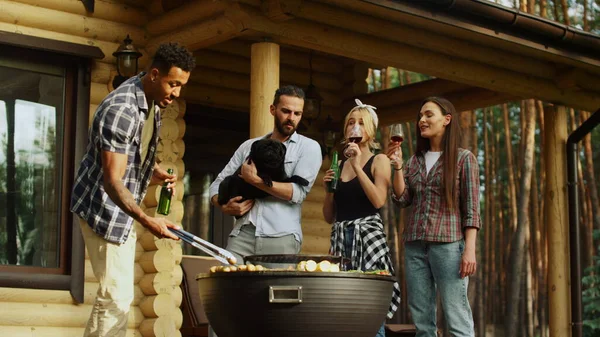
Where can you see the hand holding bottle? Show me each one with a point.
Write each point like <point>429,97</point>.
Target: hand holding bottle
<point>166,192</point>
<point>332,175</point>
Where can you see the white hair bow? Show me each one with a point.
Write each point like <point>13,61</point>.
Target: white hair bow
<point>369,108</point>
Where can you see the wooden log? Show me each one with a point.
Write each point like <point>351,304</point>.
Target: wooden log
<point>177,296</point>
<point>150,242</point>
<point>264,80</point>
<point>180,145</point>
<point>288,74</point>
<point>220,97</point>
<point>237,81</point>
<point>139,250</point>
<point>182,107</point>
<point>46,331</point>
<point>107,47</point>
<point>69,23</point>
<point>157,305</point>
<point>158,327</point>
<point>53,315</point>
<point>98,92</point>
<point>166,150</point>
<point>190,12</point>
<point>555,209</point>
<point>177,317</point>
<point>289,57</point>
<point>422,38</point>
<point>106,10</point>
<point>157,261</point>
<point>139,228</point>
<point>177,275</point>
<point>93,108</point>
<point>181,126</point>
<point>101,72</point>
<point>157,283</point>
<point>172,110</point>
<point>151,198</point>
<point>312,210</point>
<point>169,129</point>
<point>315,245</point>
<point>138,271</point>
<point>314,227</point>
<point>180,168</point>
<point>199,35</point>
<point>464,100</point>
<point>337,41</point>
<point>46,296</point>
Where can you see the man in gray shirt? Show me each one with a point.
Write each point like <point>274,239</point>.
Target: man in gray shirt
<point>271,225</point>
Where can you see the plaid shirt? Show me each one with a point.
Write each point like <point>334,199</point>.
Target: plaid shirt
<point>117,127</point>
<point>369,249</point>
<point>431,219</point>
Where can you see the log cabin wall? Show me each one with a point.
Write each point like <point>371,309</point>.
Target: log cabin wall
<point>221,80</point>
<point>31,312</point>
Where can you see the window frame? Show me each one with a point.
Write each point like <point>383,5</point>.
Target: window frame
<point>76,60</point>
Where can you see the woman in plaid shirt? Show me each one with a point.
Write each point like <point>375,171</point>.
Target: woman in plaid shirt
<point>441,183</point>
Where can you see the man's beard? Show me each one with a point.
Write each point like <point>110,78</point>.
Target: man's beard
<point>281,128</point>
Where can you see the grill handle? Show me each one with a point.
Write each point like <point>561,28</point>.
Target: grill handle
<point>285,294</point>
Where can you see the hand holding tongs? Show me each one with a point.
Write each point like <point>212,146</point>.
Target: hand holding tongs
<point>222,255</point>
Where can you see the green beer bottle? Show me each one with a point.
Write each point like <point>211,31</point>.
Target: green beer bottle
<point>164,202</point>
<point>332,185</point>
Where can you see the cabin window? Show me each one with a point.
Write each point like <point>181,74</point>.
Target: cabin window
<point>32,114</point>
<point>44,104</point>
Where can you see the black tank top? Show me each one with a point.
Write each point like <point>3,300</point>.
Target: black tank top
<point>351,202</point>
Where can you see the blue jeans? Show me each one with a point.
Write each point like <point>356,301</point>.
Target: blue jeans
<point>432,266</point>
<point>348,238</point>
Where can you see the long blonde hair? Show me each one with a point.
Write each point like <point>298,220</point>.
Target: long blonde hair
<point>368,122</point>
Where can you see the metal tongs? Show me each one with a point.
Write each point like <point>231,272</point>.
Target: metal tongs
<point>222,255</point>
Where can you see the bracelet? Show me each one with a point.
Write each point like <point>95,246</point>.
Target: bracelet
<point>399,169</point>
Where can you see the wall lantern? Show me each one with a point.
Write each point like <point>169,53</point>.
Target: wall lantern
<point>127,61</point>
<point>312,99</point>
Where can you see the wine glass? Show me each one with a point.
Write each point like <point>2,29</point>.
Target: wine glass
<point>396,135</point>
<point>354,136</point>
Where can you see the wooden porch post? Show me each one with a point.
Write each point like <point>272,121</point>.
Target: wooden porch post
<point>264,80</point>
<point>558,221</point>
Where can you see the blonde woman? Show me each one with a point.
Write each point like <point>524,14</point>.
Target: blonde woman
<point>353,209</point>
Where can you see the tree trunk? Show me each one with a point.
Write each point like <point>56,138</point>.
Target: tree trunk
<point>586,23</point>
<point>488,227</point>
<point>591,181</point>
<point>543,242</point>
<point>555,11</point>
<point>518,240</point>
<point>512,192</point>
<point>565,12</point>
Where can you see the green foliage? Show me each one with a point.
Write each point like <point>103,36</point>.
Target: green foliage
<point>591,297</point>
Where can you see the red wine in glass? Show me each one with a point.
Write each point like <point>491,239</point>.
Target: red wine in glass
<point>356,140</point>
<point>397,139</point>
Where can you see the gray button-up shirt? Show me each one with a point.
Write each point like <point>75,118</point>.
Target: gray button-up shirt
<point>272,216</point>
<point>117,127</point>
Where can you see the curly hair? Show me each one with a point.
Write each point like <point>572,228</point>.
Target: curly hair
<point>170,55</point>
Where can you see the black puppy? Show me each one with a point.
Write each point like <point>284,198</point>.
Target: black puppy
<point>268,156</point>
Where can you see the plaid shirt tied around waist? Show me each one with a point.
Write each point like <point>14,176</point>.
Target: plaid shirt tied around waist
<point>431,219</point>
<point>116,127</point>
<point>369,249</point>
